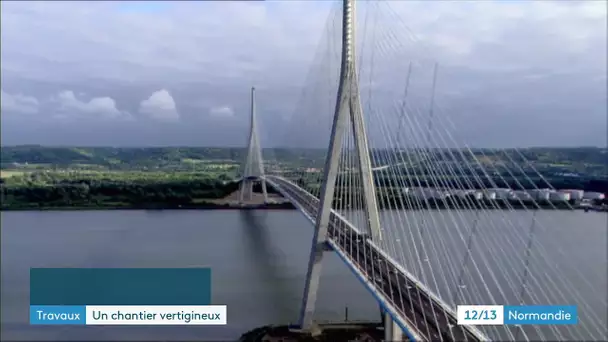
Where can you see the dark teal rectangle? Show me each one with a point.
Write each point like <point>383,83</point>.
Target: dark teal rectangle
<point>120,286</point>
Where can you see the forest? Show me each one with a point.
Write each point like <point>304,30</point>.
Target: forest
<point>39,190</point>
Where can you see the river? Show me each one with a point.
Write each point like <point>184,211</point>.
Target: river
<point>258,261</point>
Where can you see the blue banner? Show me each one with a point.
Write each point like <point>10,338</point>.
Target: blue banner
<point>540,314</point>
<point>57,314</point>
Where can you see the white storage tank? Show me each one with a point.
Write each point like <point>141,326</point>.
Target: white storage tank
<point>488,194</point>
<point>575,194</point>
<point>503,193</point>
<point>559,196</point>
<point>416,192</point>
<point>541,194</point>
<point>592,195</point>
<point>522,195</point>
<point>422,193</point>
<point>441,194</point>
<point>458,192</point>
<point>471,193</point>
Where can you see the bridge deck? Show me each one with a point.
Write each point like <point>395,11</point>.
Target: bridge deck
<point>422,312</point>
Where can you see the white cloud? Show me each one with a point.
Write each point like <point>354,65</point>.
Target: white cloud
<point>206,51</point>
<point>160,105</point>
<point>98,107</point>
<point>18,103</point>
<point>233,40</point>
<point>221,112</point>
<point>508,35</point>
<point>238,40</point>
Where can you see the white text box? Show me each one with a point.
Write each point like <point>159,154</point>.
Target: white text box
<point>480,314</point>
<point>156,315</point>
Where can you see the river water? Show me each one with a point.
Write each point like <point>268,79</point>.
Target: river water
<point>258,261</point>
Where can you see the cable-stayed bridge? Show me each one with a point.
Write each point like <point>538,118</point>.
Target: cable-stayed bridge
<point>390,165</point>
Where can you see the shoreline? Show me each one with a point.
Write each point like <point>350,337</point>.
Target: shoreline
<point>270,206</point>
<point>154,206</point>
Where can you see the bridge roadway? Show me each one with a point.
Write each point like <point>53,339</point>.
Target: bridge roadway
<point>422,312</point>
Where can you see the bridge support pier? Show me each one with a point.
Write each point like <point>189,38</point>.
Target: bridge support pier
<point>246,190</point>
<point>392,331</point>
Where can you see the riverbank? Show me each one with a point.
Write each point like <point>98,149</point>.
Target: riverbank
<point>283,205</point>
<point>157,206</point>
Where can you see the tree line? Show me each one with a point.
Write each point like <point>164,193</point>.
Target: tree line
<point>94,192</point>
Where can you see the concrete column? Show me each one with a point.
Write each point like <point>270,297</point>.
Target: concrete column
<point>392,331</point>
<point>388,327</point>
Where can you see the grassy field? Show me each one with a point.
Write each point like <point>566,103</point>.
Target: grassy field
<point>10,173</point>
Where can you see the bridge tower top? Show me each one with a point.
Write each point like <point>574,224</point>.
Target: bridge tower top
<point>253,129</point>
<point>348,109</point>
<point>348,36</point>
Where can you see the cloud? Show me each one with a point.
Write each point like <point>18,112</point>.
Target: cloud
<point>69,106</point>
<point>171,44</point>
<point>221,112</point>
<point>18,103</point>
<point>160,106</point>
<point>539,60</point>
<point>502,35</point>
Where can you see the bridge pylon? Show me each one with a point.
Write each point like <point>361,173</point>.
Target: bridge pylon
<point>348,108</point>
<point>253,169</point>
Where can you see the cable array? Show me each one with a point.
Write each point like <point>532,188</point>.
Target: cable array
<point>459,225</point>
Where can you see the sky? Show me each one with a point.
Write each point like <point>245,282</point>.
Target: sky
<point>513,73</point>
